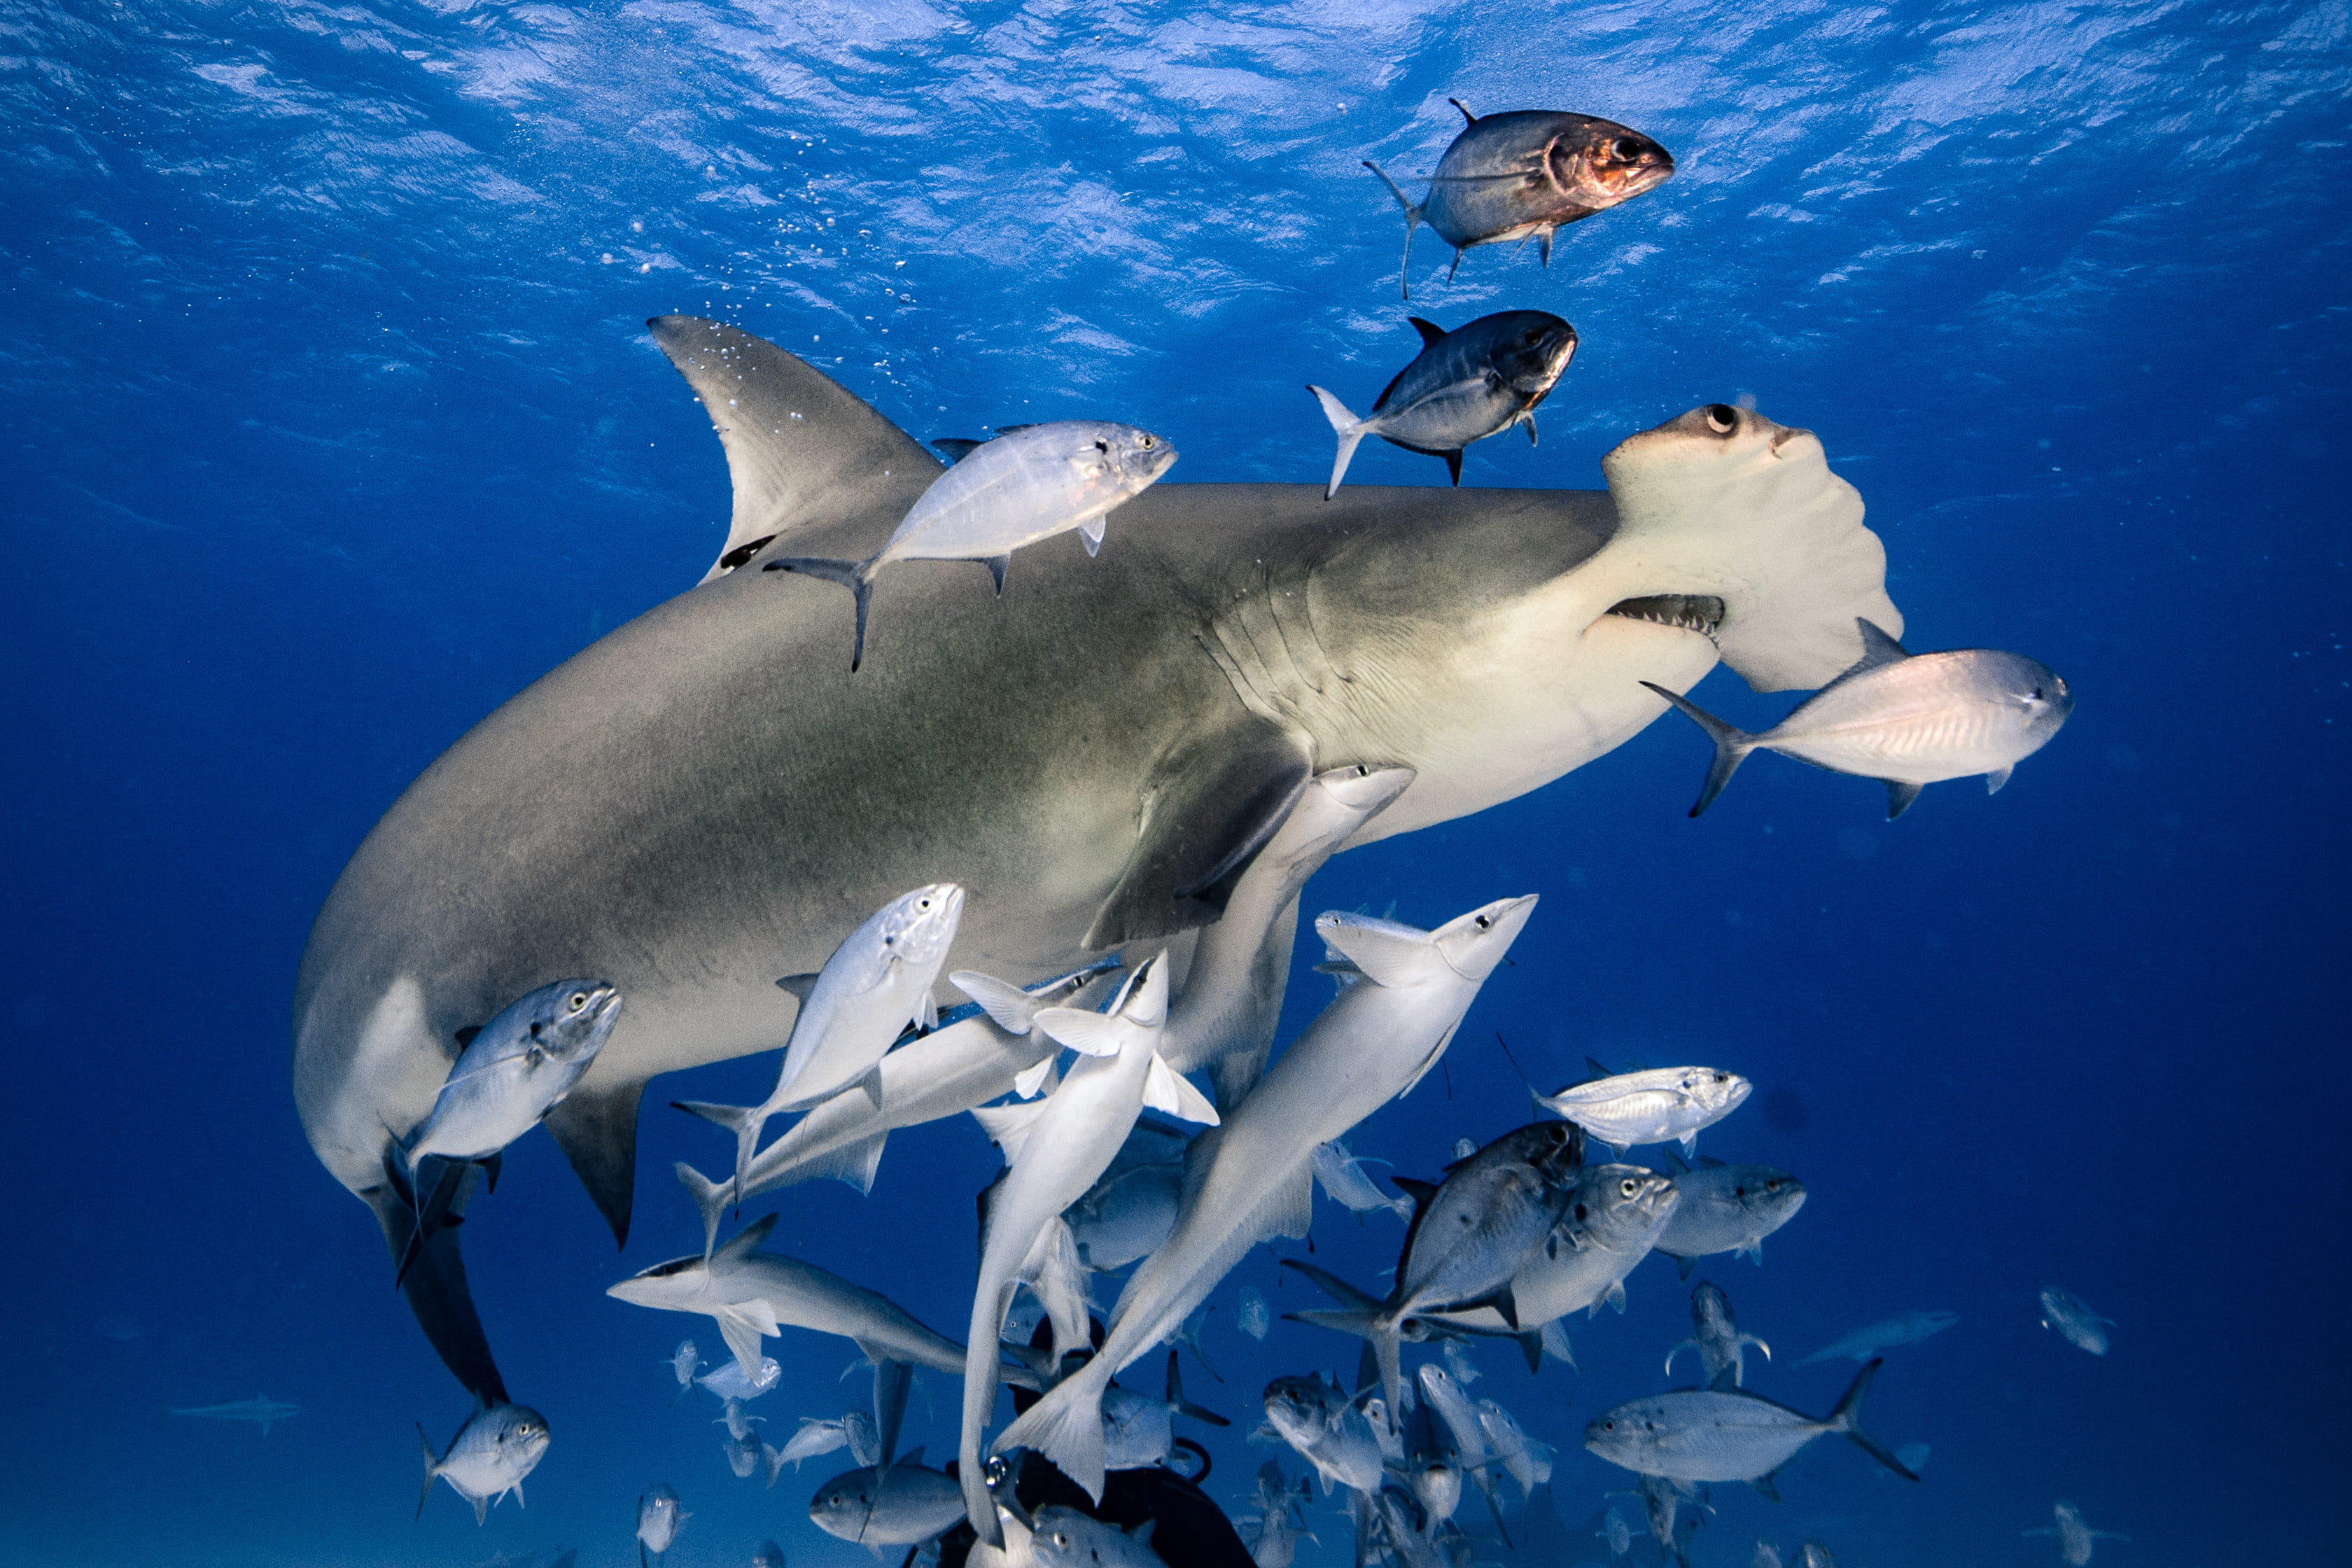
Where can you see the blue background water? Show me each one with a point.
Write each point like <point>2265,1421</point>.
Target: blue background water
<point>331,423</point>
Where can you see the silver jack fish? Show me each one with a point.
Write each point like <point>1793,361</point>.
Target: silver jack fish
<point>1030,483</point>
<point>1374,1042</point>
<point>492,1452</point>
<point>1610,1227</point>
<point>1658,1105</point>
<point>1318,1419</point>
<point>898,1504</point>
<point>1528,173</point>
<point>2074,1537</point>
<point>1872,1338</point>
<point>1905,719</point>
<point>877,981</point>
<point>1715,1334</point>
<point>659,1517</point>
<point>2072,1317</point>
<point>1727,1435</point>
<point>1065,1537</point>
<point>1727,1208</point>
<point>1473,381</point>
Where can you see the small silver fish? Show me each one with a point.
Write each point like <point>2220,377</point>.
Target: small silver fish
<point>767,1554</point>
<point>1275,1527</point>
<point>516,1070</point>
<point>1905,719</point>
<point>492,1452</point>
<point>659,1517</point>
<point>1659,1105</point>
<point>1029,484</point>
<point>1065,1537</point>
<point>1528,173</point>
<point>1866,1342</point>
<point>909,1504</point>
<point>1715,1334</point>
<point>1729,1208</point>
<point>1345,1182</point>
<point>742,1456</point>
<point>683,1363</point>
<point>1528,1462</point>
<point>1619,1534</point>
<point>1476,381</point>
<point>1814,1554</point>
<point>1251,1316</point>
<point>729,1382</point>
<point>2074,1537</point>
<point>739,1425</point>
<point>1457,1361</point>
<point>261,1410</point>
<point>1765,1555</point>
<point>2072,1317</point>
<point>1319,1421</point>
<point>1727,1434</point>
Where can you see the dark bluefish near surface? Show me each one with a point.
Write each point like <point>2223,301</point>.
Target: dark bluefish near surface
<point>1473,381</point>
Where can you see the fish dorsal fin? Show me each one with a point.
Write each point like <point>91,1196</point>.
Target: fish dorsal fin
<point>1878,649</point>
<point>800,986</point>
<point>1430,331</point>
<point>802,449</point>
<point>746,1241</point>
<point>957,448</point>
<point>1467,118</point>
<point>466,1035</point>
<point>1009,1126</point>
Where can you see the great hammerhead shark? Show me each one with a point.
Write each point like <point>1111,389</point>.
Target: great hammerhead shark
<point>707,798</point>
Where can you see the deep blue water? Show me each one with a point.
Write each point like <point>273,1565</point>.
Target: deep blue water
<point>332,423</point>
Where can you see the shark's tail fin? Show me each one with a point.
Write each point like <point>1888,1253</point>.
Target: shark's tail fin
<point>1731,745</point>
<point>858,576</point>
<point>1412,220</point>
<point>1846,1420</point>
<point>1066,1427</point>
<point>1377,1329</point>
<point>746,1122</point>
<point>1350,431</point>
<point>431,1468</point>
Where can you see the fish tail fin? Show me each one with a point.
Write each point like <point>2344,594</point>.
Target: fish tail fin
<point>1846,1421</point>
<point>1350,431</point>
<point>709,1199</point>
<point>1731,745</point>
<point>1376,1329</point>
<point>1182,1406</point>
<point>745,1122</point>
<point>1066,1427</point>
<point>1412,220</point>
<point>858,576</point>
<point>430,1464</point>
<point>1687,1344</point>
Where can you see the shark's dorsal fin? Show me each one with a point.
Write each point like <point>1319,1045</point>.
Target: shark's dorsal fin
<point>802,449</point>
<point>746,1241</point>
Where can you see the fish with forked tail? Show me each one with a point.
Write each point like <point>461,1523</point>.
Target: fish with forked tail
<point>1728,1434</point>
<point>1526,174</point>
<point>492,1452</point>
<point>1473,381</point>
<point>1030,483</point>
<point>1906,719</point>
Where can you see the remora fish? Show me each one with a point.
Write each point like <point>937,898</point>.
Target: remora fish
<point>1469,1238</point>
<point>583,820</point>
<point>1727,1434</point>
<point>1065,1537</point>
<point>261,1410</point>
<point>1476,381</point>
<point>1527,171</point>
<point>1054,1150</point>
<point>875,983</point>
<point>1318,1420</point>
<point>1872,1338</point>
<point>510,1073</point>
<point>1727,1208</point>
<point>492,1452</point>
<point>753,1293</point>
<point>1030,483</point>
<point>895,1505</point>
<point>1659,1105</point>
<point>2074,1537</point>
<point>1372,1043</point>
<point>1715,1334</point>
<point>658,1520</point>
<point>1905,719</point>
<point>2072,1317</point>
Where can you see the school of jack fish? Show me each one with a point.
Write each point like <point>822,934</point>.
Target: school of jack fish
<point>1081,1030</point>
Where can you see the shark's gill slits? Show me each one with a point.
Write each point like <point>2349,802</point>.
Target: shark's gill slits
<point>1700,613</point>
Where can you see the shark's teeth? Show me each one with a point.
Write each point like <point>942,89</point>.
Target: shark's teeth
<point>1700,613</point>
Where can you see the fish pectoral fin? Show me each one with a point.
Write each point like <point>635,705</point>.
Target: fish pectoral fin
<point>1766,1488</point>
<point>1997,777</point>
<point>956,448</point>
<point>1212,803</point>
<point>800,986</point>
<point>1008,1007</point>
<point>1029,1082</point>
<point>597,1131</point>
<point>1899,796</point>
<point>1090,532</point>
<point>1878,649</point>
<point>869,1083</point>
<point>1088,1034</point>
<point>854,1163</point>
<point>1454,466</point>
<point>1009,1126</point>
<point>1166,1089</point>
<point>439,1295</point>
<point>802,449</point>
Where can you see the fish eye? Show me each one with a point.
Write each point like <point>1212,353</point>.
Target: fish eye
<point>1626,148</point>
<point>534,1029</point>
<point>1628,1188</point>
<point>1147,442</point>
<point>1061,1538</point>
<point>1102,447</point>
<point>1486,924</point>
<point>1722,419</point>
<point>2037,694</point>
<point>578,1000</point>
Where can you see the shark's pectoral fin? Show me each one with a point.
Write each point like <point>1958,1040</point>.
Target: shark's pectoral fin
<point>438,1293</point>
<point>1211,803</point>
<point>802,449</point>
<point>597,1131</point>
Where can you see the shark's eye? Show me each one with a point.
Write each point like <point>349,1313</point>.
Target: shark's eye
<point>1722,419</point>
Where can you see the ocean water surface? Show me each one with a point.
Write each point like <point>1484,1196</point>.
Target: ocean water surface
<point>333,422</point>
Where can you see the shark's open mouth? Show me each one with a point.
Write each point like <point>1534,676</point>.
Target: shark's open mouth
<point>1700,613</point>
